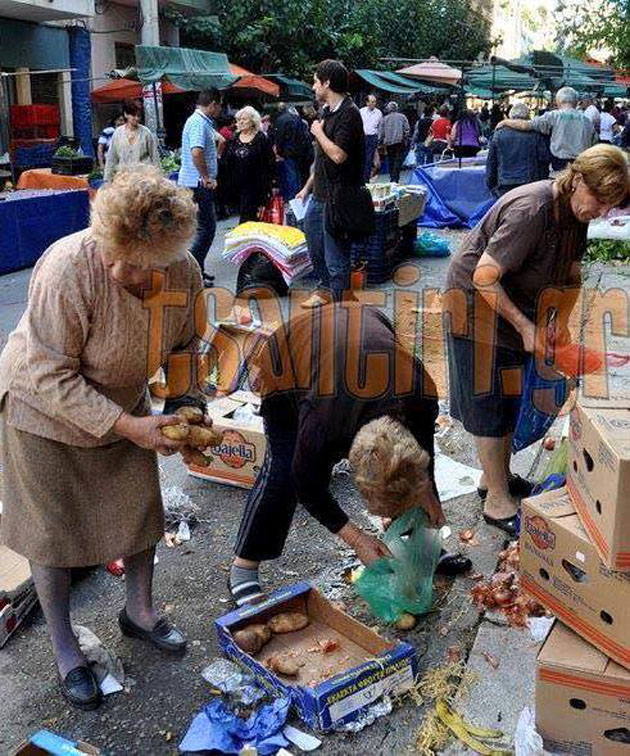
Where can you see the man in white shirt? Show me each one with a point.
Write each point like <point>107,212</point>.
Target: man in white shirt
<point>608,125</point>
<point>591,112</point>
<point>371,117</point>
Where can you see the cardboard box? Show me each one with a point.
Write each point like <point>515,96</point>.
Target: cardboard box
<point>363,668</point>
<point>17,592</point>
<point>238,458</point>
<point>44,742</point>
<point>561,569</point>
<point>582,697</point>
<point>599,476</point>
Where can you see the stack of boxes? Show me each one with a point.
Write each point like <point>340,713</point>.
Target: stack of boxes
<point>575,560</point>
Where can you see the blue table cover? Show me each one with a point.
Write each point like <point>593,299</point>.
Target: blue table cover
<point>30,221</point>
<point>457,197</point>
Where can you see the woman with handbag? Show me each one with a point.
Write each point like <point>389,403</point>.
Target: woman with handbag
<point>347,209</point>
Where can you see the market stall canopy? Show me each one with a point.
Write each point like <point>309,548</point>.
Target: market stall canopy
<point>126,89</point>
<point>499,78</point>
<point>188,69</point>
<point>248,80</point>
<point>395,83</point>
<point>292,89</point>
<point>432,70</point>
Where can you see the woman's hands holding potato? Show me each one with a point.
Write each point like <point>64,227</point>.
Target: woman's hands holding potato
<point>145,432</point>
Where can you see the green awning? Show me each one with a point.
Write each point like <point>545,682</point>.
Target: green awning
<point>188,69</point>
<point>499,79</point>
<point>395,83</point>
<point>482,94</point>
<point>292,89</point>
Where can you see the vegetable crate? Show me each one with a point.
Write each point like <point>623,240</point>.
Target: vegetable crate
<point>72,166</point>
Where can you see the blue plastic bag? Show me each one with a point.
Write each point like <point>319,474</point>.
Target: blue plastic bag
<point>216,728</point>
<point>403,583</point>
<point>429,244</point>
<point>533,423</point>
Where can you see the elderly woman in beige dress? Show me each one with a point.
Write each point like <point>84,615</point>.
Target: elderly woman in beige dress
<point>132,143</point>
<point>79,442</point>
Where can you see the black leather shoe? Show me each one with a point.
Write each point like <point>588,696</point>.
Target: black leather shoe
<point>453,564</point>
<point>506,524</point>
<point>80,688</point>
<point>163,635</point>
<point>518,487</point>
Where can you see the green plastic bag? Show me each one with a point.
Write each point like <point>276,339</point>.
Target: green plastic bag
<point>403,583</point>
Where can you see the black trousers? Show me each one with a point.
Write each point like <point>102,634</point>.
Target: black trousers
<point>395,157</point>
<point>271,502</point>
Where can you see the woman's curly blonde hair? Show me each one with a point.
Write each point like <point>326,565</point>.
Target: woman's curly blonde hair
<point>143,218</point>
<point>390,467</point>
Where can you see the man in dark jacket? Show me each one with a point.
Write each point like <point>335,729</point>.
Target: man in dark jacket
<point>294,149</point>
<point>516,157</point>
<point>363,395</point>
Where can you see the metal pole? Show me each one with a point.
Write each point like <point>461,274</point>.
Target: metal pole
<point>7,98</point>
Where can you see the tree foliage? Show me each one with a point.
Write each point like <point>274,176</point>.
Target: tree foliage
<point>291,36</point>
<point>587,25</point>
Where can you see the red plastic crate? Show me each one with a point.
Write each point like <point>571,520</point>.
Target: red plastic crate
<point>25,116</point>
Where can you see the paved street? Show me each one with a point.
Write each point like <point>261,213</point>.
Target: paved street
<point>164,694</point>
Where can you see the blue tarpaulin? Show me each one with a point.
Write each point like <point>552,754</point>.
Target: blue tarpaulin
<point>457,197</point>
<point>32,222</point>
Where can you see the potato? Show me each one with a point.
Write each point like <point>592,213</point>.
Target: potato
<point>248,640</point>
<point>196,457</point>
<point>192,414</point>
<point>287,622</point>
<point>283,665</point>
<point>252,638</point>
<point>406,622</point>
<point>175,432</point>
<point>203,437</point>
<point>262,631</point>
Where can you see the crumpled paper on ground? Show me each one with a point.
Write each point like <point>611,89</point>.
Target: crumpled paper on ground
<point>107,667</point>
<point>217,728</point>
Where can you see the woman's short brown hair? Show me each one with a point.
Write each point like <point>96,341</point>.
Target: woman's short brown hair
<point>143,218</point>
<point>390,467</point>
<point>604,170</point>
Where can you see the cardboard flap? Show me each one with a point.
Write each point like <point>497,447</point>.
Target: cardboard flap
<point>616,671</point>
<point>246,397</point>
<point>14,571</point>
<point>552,504</point>
<point>566,649</point>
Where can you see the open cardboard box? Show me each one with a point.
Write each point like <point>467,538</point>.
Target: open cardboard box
<point>599,475</point>
<point>238,458</point>
<point>331,688</point>
<point>581,697</point>
<point>46,743</point>
<point>560,568</point>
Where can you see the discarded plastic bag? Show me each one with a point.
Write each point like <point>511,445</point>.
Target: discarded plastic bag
<point>534,420</point>
<point>233,681</point>
<point>107,667</point>
<point>217,728</point>
<point>403,583</point>
<point>429,244</point>
<point>411,160</point>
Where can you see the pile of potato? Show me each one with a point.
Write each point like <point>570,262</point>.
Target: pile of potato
<point>252,638</point>
<point>194,432</point>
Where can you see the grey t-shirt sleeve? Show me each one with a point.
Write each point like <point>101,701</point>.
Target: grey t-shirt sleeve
<point>544,123</point>
<point>516,235</point>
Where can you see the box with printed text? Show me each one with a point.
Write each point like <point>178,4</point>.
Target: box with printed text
<point>561,569</point>
<point>330,688</point>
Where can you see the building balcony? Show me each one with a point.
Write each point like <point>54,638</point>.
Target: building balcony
<point>39,11</point>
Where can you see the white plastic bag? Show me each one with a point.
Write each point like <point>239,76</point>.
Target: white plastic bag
<point>410,160</point>
<point>527,742</point>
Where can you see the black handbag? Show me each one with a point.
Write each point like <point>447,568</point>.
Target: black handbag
<point>349,210</point>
